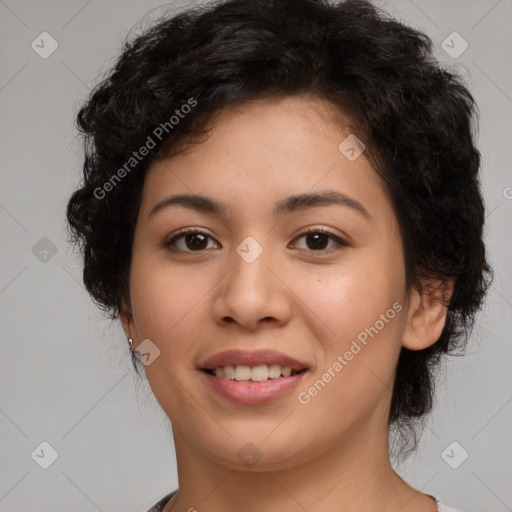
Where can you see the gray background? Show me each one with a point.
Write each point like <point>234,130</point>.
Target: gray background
<point>66,377</point>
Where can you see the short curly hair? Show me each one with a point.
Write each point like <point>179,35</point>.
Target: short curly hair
<point>416,119</point>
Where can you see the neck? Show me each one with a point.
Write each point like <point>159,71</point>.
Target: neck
<point>355,473</point>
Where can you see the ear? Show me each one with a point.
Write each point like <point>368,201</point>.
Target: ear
<point>426,316</point>
<point>127,320</point>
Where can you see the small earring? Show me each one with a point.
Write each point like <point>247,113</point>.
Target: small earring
<point>134,357</point>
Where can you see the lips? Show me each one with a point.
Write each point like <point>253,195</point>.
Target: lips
<point>252,393</point>
<point>252,378</point>
<point>251,359</point>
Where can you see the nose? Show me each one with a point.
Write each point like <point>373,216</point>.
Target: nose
<point>253,294</point>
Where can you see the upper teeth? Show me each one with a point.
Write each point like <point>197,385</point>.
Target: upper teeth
<point>255,373</point>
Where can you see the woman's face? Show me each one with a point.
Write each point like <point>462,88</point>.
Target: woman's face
<point>254,280</point>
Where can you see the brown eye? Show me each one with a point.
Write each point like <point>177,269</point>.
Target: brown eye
<point>318,239</point>
<point>189,241</point>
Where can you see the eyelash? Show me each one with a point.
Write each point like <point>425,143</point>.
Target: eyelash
<point>186,231</point>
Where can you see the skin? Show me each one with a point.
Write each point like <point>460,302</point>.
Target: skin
<point>306,302</point>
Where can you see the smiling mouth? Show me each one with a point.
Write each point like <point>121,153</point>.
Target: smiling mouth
<point>259,373</point>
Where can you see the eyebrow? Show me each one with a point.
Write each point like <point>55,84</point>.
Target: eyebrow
<point>204,204</point>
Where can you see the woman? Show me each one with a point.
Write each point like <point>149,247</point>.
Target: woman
<point>281,204</point>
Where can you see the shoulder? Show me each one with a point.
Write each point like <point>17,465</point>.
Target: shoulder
<point>158,507</point>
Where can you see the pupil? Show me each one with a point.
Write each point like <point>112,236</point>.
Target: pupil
<point>198,244</point>
<point>316,244</point>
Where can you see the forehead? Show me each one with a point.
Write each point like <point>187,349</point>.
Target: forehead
<point>266,149</point>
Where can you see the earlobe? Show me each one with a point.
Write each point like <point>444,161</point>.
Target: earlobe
<point>426,316</point>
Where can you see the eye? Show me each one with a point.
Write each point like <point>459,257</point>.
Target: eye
<point>318,238</point>
<point>196,240</point>
<point>193,239</point>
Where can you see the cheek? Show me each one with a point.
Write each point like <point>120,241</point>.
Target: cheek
<point>350,297</point>
<point>361,304</point>
<point>164,296</point>
<point>364,314</point>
